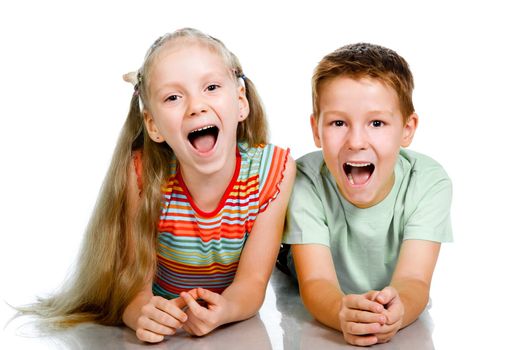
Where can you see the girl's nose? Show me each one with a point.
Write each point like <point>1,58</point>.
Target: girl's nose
<point>197,106</point>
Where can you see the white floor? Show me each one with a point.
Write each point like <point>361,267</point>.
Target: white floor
<point>282,323</point>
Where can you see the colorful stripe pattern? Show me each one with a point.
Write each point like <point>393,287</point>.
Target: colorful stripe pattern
<point>198,249</point>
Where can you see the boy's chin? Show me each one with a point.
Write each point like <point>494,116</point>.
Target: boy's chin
<point>361,199</point>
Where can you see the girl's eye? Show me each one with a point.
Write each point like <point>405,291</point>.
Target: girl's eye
<point>377,123</point>
<point>338,123</point>
<point>212,87</point>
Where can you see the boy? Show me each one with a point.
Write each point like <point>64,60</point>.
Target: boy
<point>366,217</point>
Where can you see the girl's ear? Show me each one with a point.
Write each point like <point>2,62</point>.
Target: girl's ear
<point>315,130</point>
<point>409,130</point>
<point>243,103</point>
<point>152,127</point>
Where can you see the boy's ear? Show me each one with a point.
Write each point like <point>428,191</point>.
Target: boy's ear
<point>244,103</point>
<point>409,130</point>
<point>151,127</point>
<point>315,131</point>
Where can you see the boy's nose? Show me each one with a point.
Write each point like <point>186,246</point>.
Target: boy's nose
<point>356,139</point>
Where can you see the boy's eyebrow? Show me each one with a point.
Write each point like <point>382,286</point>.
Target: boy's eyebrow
<point>334,112</point>
<point>374,112</point>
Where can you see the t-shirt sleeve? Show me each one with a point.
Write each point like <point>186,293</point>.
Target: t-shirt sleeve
<point>306,220</point>
<point>273,164</point>
<point>430,219</point>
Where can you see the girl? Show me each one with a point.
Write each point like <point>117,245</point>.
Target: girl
<point>189,219</point>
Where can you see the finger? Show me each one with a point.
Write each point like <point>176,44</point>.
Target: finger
<point>150,325</point>
<point>194,293</point>
<point>163,314</point>
<point>197,310</point>
<point>210,297</point>
<point>359,302</point>
<point>394,313</point>
<point>173,308</point>
<point>187,328</point>
<point>362,340</point>
<point>386,295</point>
<point>371,295</point>
<point>389,328</point>
<point>192,327</point>
<point>147,336</point>
<point>358,328</point>
<point>385,337</point>
<point>352,315</point>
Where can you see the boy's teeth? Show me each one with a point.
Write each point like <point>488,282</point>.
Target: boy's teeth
<point>358,164</point>
<point>351,179</point>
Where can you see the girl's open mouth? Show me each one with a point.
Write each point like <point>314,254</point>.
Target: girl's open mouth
<point>204,139</point>
<point>358,173</point>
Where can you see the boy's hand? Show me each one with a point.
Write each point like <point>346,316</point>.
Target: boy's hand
<point>394,312</point>
<point>203,319</point>
<point>361,317</point>
<point>160,317</point>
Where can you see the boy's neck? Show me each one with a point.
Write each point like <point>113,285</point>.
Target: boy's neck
<point>380,196</point>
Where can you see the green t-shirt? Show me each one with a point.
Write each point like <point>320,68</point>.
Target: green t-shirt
<point>365,242</point>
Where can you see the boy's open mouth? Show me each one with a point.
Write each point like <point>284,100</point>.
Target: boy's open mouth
<point>204,139</point>
<point>358,173</point>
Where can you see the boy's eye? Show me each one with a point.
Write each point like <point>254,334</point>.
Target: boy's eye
<point>377,123</point>
<point>172,98</point>
<point>212,87</point>
<point>338,123</point>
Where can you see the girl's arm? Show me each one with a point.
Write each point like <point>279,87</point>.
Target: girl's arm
<point>151,317</point>
<point>247,291</point>
<point>243,298</point>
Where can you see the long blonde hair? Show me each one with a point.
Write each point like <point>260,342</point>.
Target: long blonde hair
<point>117,251</point>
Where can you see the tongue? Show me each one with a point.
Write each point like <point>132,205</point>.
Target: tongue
<point>360,175</point>
<point>204,143</point>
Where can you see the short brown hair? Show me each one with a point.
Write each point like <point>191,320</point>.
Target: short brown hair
<point>366,60</point>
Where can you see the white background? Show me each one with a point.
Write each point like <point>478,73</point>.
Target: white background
<point>63,103</point>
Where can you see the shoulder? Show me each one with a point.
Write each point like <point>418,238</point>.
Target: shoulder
<point>424,176</point>
<point>260,153</point>
<point>311,165</point>
<point>421,167</point>
<point>271,166</point>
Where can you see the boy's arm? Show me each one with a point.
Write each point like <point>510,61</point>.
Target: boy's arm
<point>413,275</point>
<point>408,293</point>
<point>357,316</point>
<point>318,284</point>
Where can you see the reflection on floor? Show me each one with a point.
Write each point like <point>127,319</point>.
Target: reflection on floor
<point>282,323</point>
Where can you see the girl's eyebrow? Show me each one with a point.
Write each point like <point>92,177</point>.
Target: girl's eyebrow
<point>207,76</point>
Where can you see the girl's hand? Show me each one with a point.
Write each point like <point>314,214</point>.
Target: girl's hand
<point>394,313</point>
<point>160,317</point>
<point>203,319</point>
<point>361,317</point>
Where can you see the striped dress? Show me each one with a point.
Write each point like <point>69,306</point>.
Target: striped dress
<point>200,249</point>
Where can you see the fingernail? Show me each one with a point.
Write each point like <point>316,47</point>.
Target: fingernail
<point>382,320</point>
